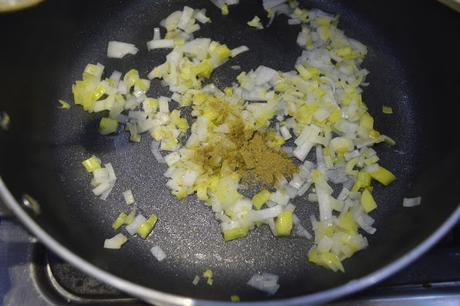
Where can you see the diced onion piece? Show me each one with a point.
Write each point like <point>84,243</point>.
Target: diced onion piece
<point>283,223</point>
<point>265,282</point>
<point>387,110</point>
<point>147,226</point>
<point>4,120</point>
<point>411,202</point>
<point>158,253</point>
<point>115,242</point>
<point>285,133</point>
<point>121,219</point>
<point>92,164</point>
<point>129,197</point>
<point>238,50</point>
<point>102,188</point>
<point>155,149</point>
<point>259,199</point>
<point>235,233</point>
<point>156,34</point>
<point>163,104</point>
<point>382,175</point>
<point>108,126</point>
<point>133,226</point>
<point>118,49</point>
<point>224,10</point>
<point>255,23</point>
<point>196,280</point>
<point>201,16</point>
<point>367,201</point>
<point>63,104</point>
<point>160,44</point>
<point>130,218</point>
<point>185,18</point>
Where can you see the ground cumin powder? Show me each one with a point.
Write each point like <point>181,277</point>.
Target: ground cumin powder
<point>247,153</point>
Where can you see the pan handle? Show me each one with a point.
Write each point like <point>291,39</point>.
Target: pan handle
<point>453,4</point>
<point>4,211</point>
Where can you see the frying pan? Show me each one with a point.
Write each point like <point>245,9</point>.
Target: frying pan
<point>414,64</point>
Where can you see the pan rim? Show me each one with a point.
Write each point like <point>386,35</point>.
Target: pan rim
<point>154,296</point>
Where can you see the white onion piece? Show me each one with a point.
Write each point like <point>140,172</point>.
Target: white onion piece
<point>321,166</point>
<point>238,50</point>
<point>411,202</point>
<point>372,168</point>
<point>156,34</point>
<point>268,4</point>
<point>106,193</point>
<point>118,49</point>
<point>303,189</point>
<point>337,175</point>
<point>185,18</point>
<point>302,151</point>
<point>298,229</point>
<point>163,104</point>
<point>116,76</point>
<point>263,214</point>
<point>280,197</point>
<point>101,188</point>
<point>364,221</point>
<point>112,176</point>
<point>291,191</point>
<point>132,228</point>
<point>324,201</point>
<point>297,181</point>
<point>351,155</point>
<point>200,15</point>
<point>158,253</point>
<point>128,196</point>
<point>115,242</point>
<point>285,133</point>
<point>160,44</point>
<point>155,149</point>
<point>266,282</point>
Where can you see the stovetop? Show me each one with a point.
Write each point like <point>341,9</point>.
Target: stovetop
<point>32,275</point>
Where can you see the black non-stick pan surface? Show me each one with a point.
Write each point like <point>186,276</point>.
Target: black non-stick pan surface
<point>413,62</point>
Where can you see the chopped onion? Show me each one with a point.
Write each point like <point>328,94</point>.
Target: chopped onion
<point>201,16</point>
<point>185,18</point>
<point>266,282</point>
<point>132,228</point>
<point>196,280</point>
<point>160,44</point>
<point>115,242</point>
<point>158,253</point>
<point>411,202</point>
<point>285,133</point>
<point>156,34</point>
<point>303,189</point>
<point>268,4</point>
<point>238,50</point>
<point>128,196</point>
<point>118,49</point>
<point>264,214</point>
<point>155,149</point>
